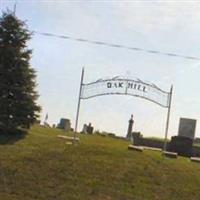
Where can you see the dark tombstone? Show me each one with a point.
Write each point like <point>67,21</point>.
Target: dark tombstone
<point>65,124</point>
<point>136,138</point>
<point>136,134</point>
<point>111,135</point>
<point>181,145</point>
<point>90,129</point>
<point>130,128</point>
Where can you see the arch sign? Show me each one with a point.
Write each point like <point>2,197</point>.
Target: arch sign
<point>120,86</point>
<point>124,86</point>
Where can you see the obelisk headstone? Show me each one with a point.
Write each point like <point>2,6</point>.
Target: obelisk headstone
<point>130,128</point>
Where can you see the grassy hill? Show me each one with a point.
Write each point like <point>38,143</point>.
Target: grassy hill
<point>41,166</point>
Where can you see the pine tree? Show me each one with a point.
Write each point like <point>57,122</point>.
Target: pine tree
<point>18,107</point>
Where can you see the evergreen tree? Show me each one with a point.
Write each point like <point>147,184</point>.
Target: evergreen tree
<point>18,97</point>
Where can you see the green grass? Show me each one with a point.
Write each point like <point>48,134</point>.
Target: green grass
<point>41,166</point>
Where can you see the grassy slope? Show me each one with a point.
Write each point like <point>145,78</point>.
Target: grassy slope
<point>41,166</point>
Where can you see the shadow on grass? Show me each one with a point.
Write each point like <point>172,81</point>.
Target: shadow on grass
<point>12,136</point>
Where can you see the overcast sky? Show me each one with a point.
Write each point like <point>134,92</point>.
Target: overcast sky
<point>167,26</point>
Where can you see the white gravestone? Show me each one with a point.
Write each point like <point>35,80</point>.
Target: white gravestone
<point>187,128</point>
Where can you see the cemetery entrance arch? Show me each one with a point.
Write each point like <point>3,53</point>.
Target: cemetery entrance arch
<point>124,86</point>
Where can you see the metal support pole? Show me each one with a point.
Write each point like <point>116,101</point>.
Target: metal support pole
<point>168,116</point>
<point>78,107</point>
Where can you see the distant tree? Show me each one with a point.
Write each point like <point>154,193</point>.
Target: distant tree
<point>18,107</point>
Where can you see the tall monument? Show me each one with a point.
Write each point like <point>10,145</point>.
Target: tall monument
<point>130,128</point>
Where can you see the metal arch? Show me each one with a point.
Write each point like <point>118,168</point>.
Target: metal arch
<point>123,79</point>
